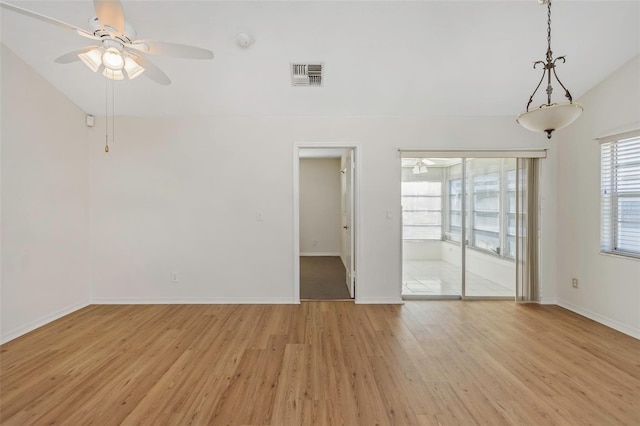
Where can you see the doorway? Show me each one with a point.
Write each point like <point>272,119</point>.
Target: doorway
<point>465,222</point>
<point>325,221</point>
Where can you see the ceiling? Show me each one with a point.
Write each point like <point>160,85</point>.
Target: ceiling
<point>399,58</point>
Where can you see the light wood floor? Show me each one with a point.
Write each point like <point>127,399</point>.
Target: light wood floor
<point>324,363</point>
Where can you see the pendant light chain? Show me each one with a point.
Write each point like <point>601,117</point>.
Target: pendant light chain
<point>550,63</point>
<point>549,53</point>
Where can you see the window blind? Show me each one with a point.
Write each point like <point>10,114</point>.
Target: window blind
<point>620,196</point>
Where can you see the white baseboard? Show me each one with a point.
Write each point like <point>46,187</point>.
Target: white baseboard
<point>17,332</point>
<point>616,325</point>
<point>192,301</point>
<point>548,301</point>
<point>320,253</point>
<point>379,301</point>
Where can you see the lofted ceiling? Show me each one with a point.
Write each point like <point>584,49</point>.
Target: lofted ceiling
<point>399,58</point>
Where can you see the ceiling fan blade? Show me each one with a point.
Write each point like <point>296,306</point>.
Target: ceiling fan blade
<point>110,14</point>
<point>44,18</point>
<point>164,48</point>
<point>72,56</point>
<point>152,71</point>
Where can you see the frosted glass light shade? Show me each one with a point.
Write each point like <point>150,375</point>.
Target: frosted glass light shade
<point>548,118</point>
<point>113,74</point>
<point>132,68</point>
<point>112,59</point>
<point>92,59</point>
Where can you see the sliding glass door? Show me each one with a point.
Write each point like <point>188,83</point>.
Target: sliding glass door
<point>465,226</point>
<point>431,269</point>
<point>490,269</point>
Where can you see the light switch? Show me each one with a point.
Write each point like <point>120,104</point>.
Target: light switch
<point>259,217</point>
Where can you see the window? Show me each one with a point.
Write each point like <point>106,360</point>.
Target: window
<point>422,210</point>
<point>620,196</point>
<point>455,210</point>
<point>485,232</point>
<point>510,231</point>
<point>491,205</point>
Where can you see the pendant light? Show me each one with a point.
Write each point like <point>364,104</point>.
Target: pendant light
<point>550,116</point>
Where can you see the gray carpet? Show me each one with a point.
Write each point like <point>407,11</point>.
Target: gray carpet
<point>322,277</point>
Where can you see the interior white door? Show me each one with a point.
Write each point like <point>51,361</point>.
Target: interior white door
<point>347,227</point>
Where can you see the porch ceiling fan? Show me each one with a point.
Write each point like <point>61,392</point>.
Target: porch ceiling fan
<point>118,54</point>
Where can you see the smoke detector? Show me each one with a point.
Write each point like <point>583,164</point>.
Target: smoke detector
<point>307,74</point>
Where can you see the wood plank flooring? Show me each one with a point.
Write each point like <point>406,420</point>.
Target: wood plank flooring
<point>322,363</point>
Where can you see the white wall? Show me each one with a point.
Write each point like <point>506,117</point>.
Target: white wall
<point>422,250</point>
<point>609,287</point>
<point>44,195</point>
<point>173,195</point>
<point>320,196</point>
<point>499,270</point>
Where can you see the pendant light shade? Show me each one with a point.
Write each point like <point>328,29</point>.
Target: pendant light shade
<point>550,116</point>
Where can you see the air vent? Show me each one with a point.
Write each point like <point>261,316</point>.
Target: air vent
<point>306,74</point>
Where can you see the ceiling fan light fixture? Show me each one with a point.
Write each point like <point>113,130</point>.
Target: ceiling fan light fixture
<point>113,74</point>
<point>420,168</point>
<point>132,68</point>
<point>92,59</point>
<point>112,59</point>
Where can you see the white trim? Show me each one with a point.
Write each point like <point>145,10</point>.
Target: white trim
<point>17,332</point>
<point>380,301</point>
<point>320,253</point>
<point>357,150</point>
<point>548,301</point>
<point>192,301</point>
<point>622,256</point>
<point>463,153</point>
<point>616,325</point>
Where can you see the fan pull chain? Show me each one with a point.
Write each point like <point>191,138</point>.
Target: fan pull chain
<point>113,110</point>
<point>106,116</point>
<point>106,113</point>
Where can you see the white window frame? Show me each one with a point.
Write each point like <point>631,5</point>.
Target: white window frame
<point>610,217</point>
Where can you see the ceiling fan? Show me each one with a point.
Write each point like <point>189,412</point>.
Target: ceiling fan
<point>118,54</point>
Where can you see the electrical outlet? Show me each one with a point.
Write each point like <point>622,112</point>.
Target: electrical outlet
<point>574,283</point>
<point>314,243</point>
<point>175,277</point>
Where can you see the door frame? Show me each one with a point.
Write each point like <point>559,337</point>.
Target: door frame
<point>357,155</point>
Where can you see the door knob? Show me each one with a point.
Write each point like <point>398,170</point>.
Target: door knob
<point>346,227</point>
